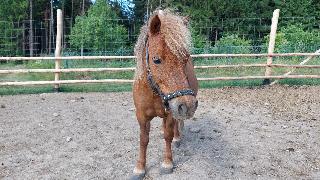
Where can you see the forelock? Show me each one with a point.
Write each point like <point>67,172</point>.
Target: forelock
<point>175,33</point>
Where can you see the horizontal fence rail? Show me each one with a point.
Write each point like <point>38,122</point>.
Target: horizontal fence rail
<point>65,82</point>
<point>54,82</point>
<point>131,81</point>
<point>260,77</point>
<point>18,71</point>
<point>133,57</point>
<point>64,70</point>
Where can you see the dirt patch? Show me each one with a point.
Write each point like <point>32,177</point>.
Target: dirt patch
<point>237,133</point>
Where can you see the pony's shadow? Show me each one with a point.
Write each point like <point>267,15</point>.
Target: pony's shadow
<point>203,140</point>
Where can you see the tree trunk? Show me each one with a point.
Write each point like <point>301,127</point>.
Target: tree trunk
<point>24,38</point>
<point>71,13</point>
<point>51,34</point>
<point>46,27</point>
<point>50,28</point>
<point>82,15</point>
<point>63,9</point>
<point>31,28</point>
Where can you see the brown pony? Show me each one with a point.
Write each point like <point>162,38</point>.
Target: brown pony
<point>165,84</point>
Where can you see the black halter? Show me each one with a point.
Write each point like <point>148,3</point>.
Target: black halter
<point>156,89</point>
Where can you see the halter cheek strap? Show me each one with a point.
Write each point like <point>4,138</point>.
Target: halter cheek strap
<point>156,89</point>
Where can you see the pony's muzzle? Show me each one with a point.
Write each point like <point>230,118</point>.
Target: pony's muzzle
<point>183,107</point>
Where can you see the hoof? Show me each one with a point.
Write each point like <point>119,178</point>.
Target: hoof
<point>137,176</point>
<point>166,169</point>
<point>176,142</point>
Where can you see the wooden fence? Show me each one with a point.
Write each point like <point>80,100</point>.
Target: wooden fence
<point>57,71</point>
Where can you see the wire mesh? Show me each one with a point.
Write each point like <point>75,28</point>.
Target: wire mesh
<point>118,36</point>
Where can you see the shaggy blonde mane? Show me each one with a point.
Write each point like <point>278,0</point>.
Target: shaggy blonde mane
<point>176,36</point>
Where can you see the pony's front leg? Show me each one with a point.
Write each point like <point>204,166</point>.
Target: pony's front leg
<point>167,164</point>
<point>139,170</point>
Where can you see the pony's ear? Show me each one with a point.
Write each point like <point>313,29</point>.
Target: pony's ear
<point>155,24</point>
<point>186,20</point>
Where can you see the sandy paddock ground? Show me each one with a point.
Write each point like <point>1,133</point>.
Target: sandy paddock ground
<point>237,133</point>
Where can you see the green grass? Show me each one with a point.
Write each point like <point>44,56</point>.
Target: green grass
<point>129,75</point>
<point>65,88</point>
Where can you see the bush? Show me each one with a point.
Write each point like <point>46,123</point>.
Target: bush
<point>233,44</point>
<point>294,38</point>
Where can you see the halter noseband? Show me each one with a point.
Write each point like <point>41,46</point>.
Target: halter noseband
<point>156,89</point>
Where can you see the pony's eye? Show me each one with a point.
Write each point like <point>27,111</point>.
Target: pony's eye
<point>156,60</point>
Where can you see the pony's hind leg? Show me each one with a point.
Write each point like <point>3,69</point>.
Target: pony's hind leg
<point>178,127</point>
<point>167,164</point>
<point>163,126</point>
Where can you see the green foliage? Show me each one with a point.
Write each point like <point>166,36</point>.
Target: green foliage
<point>198,40</point>
<point>73,7</point>
<point>295,35</point>
<point>294,38</point>
<point>8,41</point>
<point>296,8</point>
<point>13,10</point>
<point>235,43</point>
<point>99,29</point>
<point>238,16</point>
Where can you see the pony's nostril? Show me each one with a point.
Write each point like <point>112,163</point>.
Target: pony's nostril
<point>196,103</point>
<point>182,109</point>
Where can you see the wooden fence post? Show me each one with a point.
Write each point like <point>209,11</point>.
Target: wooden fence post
<point>58,48</point>
<point>272,41</point>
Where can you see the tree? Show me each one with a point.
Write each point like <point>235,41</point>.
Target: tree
<point>99,29</point>
<point>11,13</point>
<point>13,10</point>
<point>211,19</point>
